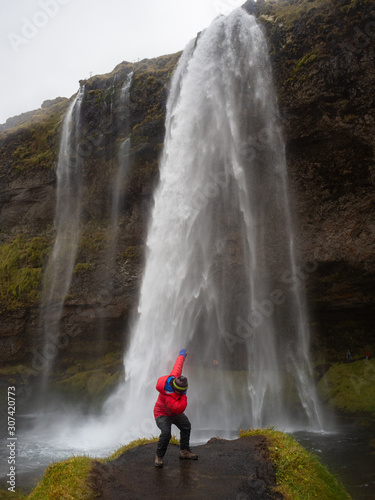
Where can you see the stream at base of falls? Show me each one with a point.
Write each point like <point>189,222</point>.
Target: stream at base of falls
<point>346,452</point>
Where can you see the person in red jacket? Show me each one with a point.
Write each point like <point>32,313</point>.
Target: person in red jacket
<point>169,409</point>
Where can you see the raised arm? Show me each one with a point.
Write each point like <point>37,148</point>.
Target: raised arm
<point>177,368</point>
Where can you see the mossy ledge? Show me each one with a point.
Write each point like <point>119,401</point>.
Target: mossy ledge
<point>350,387</point>
<point>299,474</point>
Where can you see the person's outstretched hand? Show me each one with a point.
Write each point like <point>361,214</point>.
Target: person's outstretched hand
<point>183,352</point>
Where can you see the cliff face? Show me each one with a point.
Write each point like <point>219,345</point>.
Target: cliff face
<point>323,58</point>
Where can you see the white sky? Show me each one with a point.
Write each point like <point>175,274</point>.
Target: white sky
<point>47,46</point>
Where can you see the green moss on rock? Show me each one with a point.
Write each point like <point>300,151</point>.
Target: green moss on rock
<point>21,264</point>
<point>350,386</point>
<point>132,252</point>
<point>35,143</point>
<point>81,268</point>
<point>66,480</point>
<point>88,388</point>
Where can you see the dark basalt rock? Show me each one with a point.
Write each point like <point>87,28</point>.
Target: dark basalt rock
<point>225,469</point>
<point>251,7</point>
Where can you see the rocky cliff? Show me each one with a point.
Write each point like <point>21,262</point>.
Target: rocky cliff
<point>323,57</point>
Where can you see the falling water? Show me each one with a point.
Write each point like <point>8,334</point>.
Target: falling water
<point>69,174</point>
<point>68,208</point>
<point>117,189</point>
<point>123,156</point>
<point>220,274</point>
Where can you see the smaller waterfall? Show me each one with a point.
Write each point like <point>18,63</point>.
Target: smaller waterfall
<point>120,114</point>
<point>118,182</point>
<point>60,266</point>
<point>122,157</point>
<point>75,149</point>
<point>125,91</point>
<point>118,185</point>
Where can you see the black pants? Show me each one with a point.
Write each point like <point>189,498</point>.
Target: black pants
<point>165,423</point>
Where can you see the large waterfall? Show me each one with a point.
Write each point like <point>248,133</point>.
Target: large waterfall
<point>220,263</point>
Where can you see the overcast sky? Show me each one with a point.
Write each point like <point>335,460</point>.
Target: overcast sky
<point>47,46</point>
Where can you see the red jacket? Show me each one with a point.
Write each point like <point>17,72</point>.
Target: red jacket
<point>169,403</point>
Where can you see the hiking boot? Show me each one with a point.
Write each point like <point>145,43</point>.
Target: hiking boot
<point>158,461</point>
<point>188,455</point>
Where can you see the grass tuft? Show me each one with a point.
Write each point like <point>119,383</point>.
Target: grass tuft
<point>299,474</point>
<point>66,480</point>
<point>10,495</point>
<point>137,442</point>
